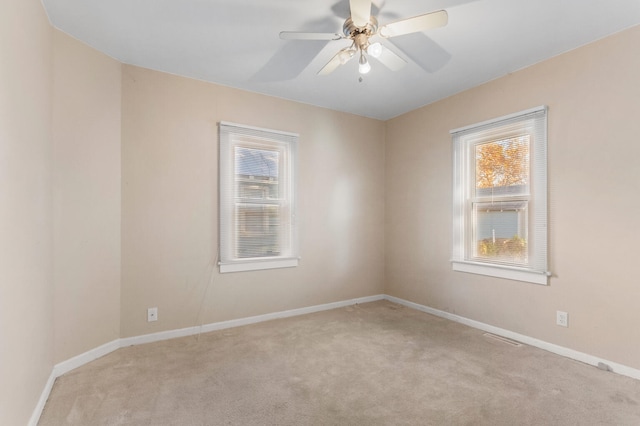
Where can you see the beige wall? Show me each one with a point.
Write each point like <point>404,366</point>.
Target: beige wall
<point>86,197</point>
<point>169,204</point>
<point>594,172</point>
<point>26,314</point>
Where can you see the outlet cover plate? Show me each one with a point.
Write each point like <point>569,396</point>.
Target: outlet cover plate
<point>152,314</point>
<point>562,319</point>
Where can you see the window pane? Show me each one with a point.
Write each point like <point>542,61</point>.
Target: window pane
<point>500,231</point>
<point>502,167</point>
<point>258,230</point>
<point>257,173</point>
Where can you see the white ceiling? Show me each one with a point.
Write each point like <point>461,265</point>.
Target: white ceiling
<point>236,43</point>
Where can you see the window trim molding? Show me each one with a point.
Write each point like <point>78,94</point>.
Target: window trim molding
<point>258,263</point>
<point>501,271</point>
<point>459,260</point>
<point>521,114</point>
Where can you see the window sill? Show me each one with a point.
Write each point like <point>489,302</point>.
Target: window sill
<point>254,265</point>
<point>498,271</point>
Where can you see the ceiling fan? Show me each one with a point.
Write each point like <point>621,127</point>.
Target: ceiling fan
<point>362,29</point>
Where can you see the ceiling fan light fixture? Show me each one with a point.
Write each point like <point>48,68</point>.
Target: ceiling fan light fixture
<point>375,50</point>
<point>363,65</point>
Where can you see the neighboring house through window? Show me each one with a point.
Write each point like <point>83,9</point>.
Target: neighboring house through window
<point>500,197</point>
<point>257,198</point>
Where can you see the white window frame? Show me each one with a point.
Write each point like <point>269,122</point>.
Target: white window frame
<point>465,139</point>
<point>231,136</point>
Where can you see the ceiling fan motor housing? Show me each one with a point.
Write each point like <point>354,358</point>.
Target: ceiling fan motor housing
<point>360,35</point>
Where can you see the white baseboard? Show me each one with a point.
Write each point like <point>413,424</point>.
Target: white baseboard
<point>86,357</point>
<point>190,331</point>
<point>82,359</point>
<point>66,366</point>
<point>35,416</point>
<point>291,313</point>
<point>551,347</point>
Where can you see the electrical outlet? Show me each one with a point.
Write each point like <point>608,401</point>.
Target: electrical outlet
<point>562,318</point>
<point>152,314</point>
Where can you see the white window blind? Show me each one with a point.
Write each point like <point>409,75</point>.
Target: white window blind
<point>257,198</point>
<point>500,197</point>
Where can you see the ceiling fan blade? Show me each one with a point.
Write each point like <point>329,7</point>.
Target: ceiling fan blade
<point>294,35</point>
<point>341,8</point>
<point>331,66</point>
<point>340,58</point>
<point>392,61</point>
<point>416,24</point>
<point>360,12</point>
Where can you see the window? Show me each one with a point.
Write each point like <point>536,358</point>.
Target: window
<point>257,198</point>
<point>500,197</point>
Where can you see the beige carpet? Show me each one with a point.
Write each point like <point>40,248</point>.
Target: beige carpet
<point>370,364</point>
